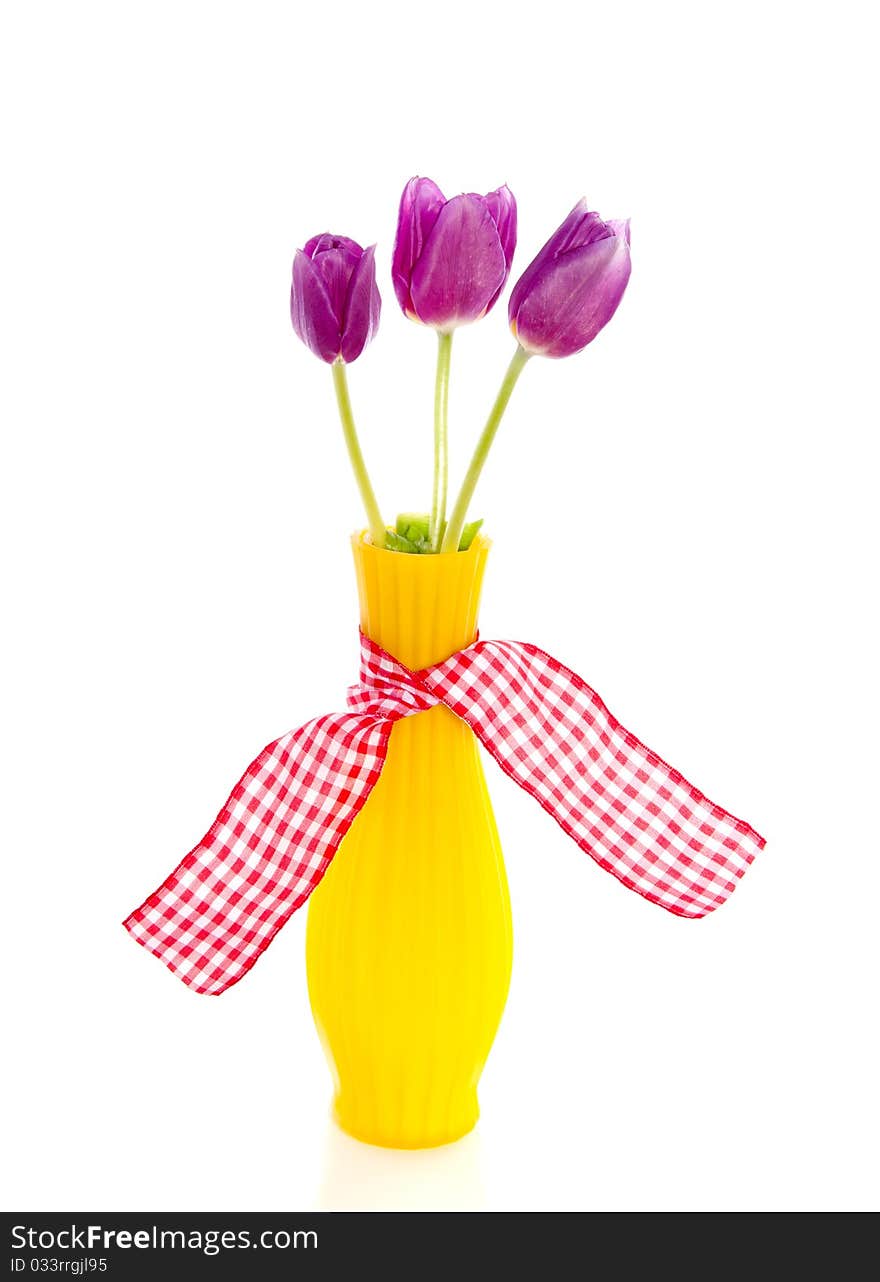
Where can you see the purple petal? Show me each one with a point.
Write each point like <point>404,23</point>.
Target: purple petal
<point>462,267</point>
<point>420,207</point>
<point>311,312</point>
<point>620,227</point>
<point>580,228</point>
<point>334,258</point>
<point>318,244</point>
<point>502,207</point>
<point>583,226</point>
<point>362,307</point>
<point>574,296</point>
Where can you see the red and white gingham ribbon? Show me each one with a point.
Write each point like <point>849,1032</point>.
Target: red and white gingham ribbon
<point>272,841</point>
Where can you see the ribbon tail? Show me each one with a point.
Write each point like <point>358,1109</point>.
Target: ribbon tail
<point>634,814</point>
<point>265,853</point>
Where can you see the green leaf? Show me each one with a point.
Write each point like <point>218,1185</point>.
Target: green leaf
<point>398,543</point>
<point>468,534</point>
<point>414,529</point>
<point>412,534</point>
<point>413,525</point>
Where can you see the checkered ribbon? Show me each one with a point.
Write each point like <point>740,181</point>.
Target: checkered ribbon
<point>272,841</point>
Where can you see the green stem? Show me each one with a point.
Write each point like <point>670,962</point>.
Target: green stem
<point>452,537</point>
<point>343,400</point>
<point>441,440</point>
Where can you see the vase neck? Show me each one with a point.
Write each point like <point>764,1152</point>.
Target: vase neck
<point>421,609</point>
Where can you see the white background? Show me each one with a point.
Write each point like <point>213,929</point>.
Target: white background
<point>684,513</point>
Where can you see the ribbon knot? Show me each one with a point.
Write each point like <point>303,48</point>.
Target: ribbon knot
<point>269,847</point>
<point>387,688</point>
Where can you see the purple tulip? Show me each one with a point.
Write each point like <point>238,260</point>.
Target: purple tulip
<point>451,257</point>
<point>334,299</point>
<point>572,288</point>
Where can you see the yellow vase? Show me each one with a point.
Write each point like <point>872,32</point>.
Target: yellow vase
<point>409,943</point>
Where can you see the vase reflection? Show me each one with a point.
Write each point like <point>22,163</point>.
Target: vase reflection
<point>363,1177</point>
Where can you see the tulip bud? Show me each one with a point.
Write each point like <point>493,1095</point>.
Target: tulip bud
<point>334,299</point>
<point>451,257</point>
<point>572,288</point>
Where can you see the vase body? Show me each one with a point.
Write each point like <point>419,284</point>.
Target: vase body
<point>409,941</point>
